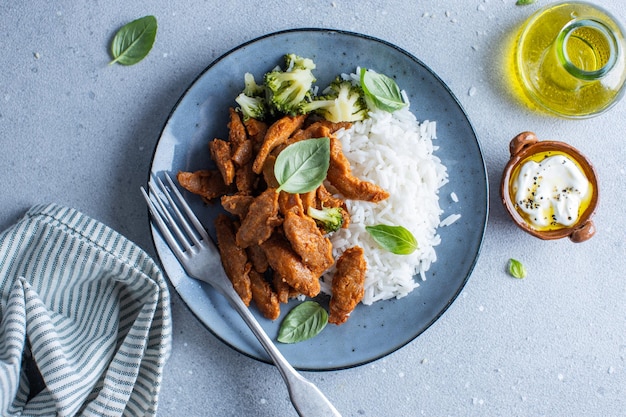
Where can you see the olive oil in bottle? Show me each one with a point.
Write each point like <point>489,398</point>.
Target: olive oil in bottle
<point>569,60</point>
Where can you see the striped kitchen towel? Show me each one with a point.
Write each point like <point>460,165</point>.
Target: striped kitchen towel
<point>85,325</point>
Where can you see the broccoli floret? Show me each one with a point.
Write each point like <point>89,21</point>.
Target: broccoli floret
<point>251,88</point>
<point>330,219</point>
<point>293,61</point>
<point>342,102</point>
<point>252,101</point>
<point>288,89</point>
<point>251,107</point>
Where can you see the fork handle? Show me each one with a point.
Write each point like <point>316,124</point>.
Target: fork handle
<point>306,398</point>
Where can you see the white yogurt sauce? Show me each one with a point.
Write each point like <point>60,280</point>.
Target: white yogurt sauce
<point>550,192</point>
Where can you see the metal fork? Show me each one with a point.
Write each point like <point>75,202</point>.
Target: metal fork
<point>193,247</point>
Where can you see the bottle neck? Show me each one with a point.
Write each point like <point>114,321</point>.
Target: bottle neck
<point>587,49</point>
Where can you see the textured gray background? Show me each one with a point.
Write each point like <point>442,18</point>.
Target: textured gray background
<point>78,132</point>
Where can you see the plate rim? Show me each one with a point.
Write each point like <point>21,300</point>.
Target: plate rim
<point>483,172</point>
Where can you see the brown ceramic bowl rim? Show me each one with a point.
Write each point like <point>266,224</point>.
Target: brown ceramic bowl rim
<point>523,146</point>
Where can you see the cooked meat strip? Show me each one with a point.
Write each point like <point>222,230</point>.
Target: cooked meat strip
<point>234,259</point>
<point>316,130</point>
<point>307,241</point>
<point>242,153</point>
<point>319,129</point>
<point>289,266</point>
<point>220,153</point>
<point>283,290</point>
<point>289,202</point>
<point>277,133</point>
<point>340,176</point>
<point>335,126</point>
<point>265,299</point>
<point>246,180</point>
<point>258,258</point>
<point>240,144</point>
<point>237,204</point>
<point>326,199</point>
<point>207,183</point>
<point>308,200</point>
<point>268,172</point>
<point>260,221</point>
<point>348,284</point>
<point>256,129</point>
<point>236,129</point>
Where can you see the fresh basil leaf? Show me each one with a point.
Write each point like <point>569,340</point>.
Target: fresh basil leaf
<point>303,322</point>
<point>524,2</point>
<point>395,239</point>
<point>516,269</point>
<point>381,91</point>
<point>302,166</point>
<point>133,41</point>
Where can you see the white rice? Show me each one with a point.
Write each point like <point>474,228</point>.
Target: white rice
<point>449,220</point>
<point>394,151</point>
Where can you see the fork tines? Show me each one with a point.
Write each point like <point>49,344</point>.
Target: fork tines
<point>180,228</point>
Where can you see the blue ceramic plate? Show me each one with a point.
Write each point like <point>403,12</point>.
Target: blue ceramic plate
<point>371,332</point>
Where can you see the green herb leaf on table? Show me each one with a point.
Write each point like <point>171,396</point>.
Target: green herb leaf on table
<point>516,269</point>
<point>524,2</point>
<point>133,41</point>
<point>395,239</point>
<point>381,91</point>
<point>303,322</point>
<point>302,166</point>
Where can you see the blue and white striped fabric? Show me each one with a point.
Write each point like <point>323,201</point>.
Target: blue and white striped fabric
<point>85,325</point>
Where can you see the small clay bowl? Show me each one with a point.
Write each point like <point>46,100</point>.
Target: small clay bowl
<point>523,146</point>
